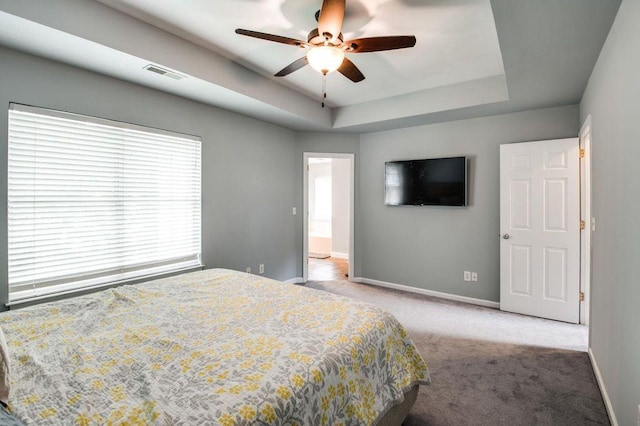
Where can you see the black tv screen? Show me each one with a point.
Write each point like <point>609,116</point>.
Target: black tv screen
<point>429,182</point>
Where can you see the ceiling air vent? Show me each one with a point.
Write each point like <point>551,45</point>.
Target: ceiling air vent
<point>156,69</point>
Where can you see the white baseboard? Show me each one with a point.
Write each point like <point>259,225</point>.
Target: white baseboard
<point>339,255</point>
<point>464,299</point>
<point>603,389</point>
<point>296,280</point>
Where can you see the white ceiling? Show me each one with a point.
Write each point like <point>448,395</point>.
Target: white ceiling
<point>472,57</point>
<point>456,43</point>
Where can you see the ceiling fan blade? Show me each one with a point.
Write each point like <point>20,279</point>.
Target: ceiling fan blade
<point>377,44</point>
<point>272,37</point>
<point>349,70</point>
<point>293,66</point>
<point>330,19</point>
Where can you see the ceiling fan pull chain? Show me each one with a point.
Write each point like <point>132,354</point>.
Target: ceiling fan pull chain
<point>324,88</point>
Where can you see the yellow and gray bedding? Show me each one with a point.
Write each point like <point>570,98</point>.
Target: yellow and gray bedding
<point>209,347</point>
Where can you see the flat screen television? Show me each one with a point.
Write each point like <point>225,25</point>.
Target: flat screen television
<point>428,182</point>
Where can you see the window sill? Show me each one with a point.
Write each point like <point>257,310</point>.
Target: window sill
<point>29,299</point>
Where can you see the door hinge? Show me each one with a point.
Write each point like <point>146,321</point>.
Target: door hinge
<point>582,225</point>
<point>581,153</point>
<point>581,296</point>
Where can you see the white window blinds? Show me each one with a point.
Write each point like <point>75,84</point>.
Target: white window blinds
<point>92,202</point>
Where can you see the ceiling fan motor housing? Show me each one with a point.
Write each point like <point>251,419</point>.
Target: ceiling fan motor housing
<point>315,38</point>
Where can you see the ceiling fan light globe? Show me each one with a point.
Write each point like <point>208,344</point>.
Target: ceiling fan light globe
<point>325,59</point>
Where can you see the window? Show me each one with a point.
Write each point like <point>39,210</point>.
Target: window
<point>322,205</point>
<point>93,202</point>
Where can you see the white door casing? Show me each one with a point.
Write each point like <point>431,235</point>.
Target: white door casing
<point>540,229</point>
<point>585,216</point>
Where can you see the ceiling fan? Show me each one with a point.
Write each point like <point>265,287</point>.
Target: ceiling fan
<point>326,45</point>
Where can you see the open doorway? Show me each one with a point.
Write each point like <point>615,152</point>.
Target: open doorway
<point>328,216</point>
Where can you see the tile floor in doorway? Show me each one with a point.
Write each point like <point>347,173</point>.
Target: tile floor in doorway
<point>330,269</point>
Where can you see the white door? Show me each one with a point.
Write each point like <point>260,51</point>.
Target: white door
<point>540,229</point>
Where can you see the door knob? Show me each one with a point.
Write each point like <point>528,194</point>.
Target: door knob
<point>506,236</point>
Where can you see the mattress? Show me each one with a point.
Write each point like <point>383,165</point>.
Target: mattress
<point>209,347</point>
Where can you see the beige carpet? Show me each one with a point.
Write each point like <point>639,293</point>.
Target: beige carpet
<point>490,367</point>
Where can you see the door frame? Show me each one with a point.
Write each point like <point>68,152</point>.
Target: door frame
<point>305,207</point>
<point>585,215</point>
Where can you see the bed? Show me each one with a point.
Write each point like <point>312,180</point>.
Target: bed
<point>210,347</point>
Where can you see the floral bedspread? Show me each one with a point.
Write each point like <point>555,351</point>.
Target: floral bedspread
<point>209,347</point>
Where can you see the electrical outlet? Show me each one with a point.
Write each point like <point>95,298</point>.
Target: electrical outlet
<point>295,211</point>
<point>474,276</point>
<point>262,268</point>
<point>248,270</point>
<point>467,276</point>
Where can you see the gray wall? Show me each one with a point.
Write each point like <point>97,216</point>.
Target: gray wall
<point>247,218</point>
<point>430,247</point>
<point>612,99</point>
